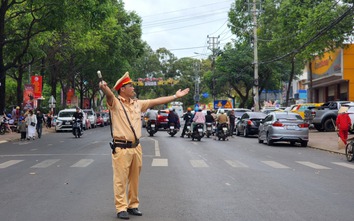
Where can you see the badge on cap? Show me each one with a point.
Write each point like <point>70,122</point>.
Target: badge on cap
<point>125,79</point>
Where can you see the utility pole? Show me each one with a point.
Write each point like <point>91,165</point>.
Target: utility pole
<point>196,82</point>
<point>255,43</point>
<point>255,12</point>
<point>214,47</point>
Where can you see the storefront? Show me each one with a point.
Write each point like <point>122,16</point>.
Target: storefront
<point>333,76</point>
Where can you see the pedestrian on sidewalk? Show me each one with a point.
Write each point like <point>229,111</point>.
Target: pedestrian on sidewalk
<point>343,124</point>
<point>31,121</point>
<point>22,128</point>
<point>40,121</point>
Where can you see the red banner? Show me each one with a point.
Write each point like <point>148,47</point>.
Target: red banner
<point>37,82</point>
<point>86,103</point>
<point>69,95</point>
<point>28,97</point>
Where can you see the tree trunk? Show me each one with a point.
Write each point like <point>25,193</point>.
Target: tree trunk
<point>290,80</point>
<point>19,85</point>
<point>310,85</point>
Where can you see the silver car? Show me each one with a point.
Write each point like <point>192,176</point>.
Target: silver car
<point>284,126</point>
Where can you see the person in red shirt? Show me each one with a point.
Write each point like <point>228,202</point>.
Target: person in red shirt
<point>343,124</point>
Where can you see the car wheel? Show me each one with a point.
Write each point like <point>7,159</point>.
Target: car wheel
<point>329,125</point>
<point>237,132</point>
<point>292,143</point>
<point>318,127</point>
<point>304,144</point>
<point>259,138</point>
<point>245,132</point>
<point>269,141</point>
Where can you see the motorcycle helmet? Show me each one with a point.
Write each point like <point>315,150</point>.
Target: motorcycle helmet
<point>189,109</point>
<point>222,111</point>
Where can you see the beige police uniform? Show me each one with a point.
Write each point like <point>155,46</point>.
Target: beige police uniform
<point>127,162</point>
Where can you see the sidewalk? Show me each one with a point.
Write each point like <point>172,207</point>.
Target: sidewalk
<point>319,140</point>
<point>325,141</point>
<point>14,136</point>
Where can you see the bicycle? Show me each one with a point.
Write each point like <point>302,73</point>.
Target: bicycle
<point>349,150</point>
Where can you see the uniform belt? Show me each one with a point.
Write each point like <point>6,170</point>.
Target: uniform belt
<point>125,144</point>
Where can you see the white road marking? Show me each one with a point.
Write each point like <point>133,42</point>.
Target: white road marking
<point>198,163</point>
<point>159,163</point>
<point>348,165</point>
<point>45,163</point>
<point>236,163</point>
<point>275,164</point>
<point>313,165</point>
<point>157,148</point>
<point>82,163</point>
<point>9,163</point>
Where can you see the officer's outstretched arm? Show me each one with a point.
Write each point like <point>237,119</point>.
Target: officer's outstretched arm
<point>107,91</point>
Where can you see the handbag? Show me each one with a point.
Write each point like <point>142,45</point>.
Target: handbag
<point>33,124</point>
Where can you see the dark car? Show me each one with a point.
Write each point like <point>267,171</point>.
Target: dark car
<point>162,119</point>
<point>249,123</point>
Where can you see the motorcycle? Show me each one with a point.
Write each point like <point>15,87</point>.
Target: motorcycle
<point>151,127</point>
<point>188,131</point>
<point>209,129</point>
<point>198,131</point>
<point>2,127</point>
<point>77,130</point>
<point>172,129</point>
<point>223,131</point>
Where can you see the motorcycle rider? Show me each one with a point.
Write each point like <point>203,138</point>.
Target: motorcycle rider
<point>151,115</point>
<point>198,118</point>
<point>222,118</point>
<point>209,118</point>
<point>187,117</point>
<point>173,118</point>
<point>78,115</point>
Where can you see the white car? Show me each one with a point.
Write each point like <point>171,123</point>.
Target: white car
<point>91,115</point>
<point>64,119</point>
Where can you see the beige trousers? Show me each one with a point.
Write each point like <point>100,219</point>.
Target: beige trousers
<point>126,165</point>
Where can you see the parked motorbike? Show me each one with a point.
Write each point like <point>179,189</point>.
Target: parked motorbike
<point>77,129</point>
<point>3,127</point>
<point>209,129</point>
<point>172,130</point>
<point>223,131</point>
<point>151,127</point>
<point>198,131</point>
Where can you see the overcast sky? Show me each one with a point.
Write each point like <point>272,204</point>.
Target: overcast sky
<point>182,26</point>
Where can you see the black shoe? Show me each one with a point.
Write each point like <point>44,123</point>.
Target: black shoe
<point>182,136</point>
<point>123,215</point>
<point>135,212</point>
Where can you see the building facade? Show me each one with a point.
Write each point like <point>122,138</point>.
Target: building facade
<point>332,76</point>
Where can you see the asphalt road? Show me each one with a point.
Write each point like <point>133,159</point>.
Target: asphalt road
<point>61,178</point>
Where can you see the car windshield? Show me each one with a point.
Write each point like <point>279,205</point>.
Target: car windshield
<point>163,114</point>
<point>66,114</point>
<point>89,113</point>
<point>257,115</point>
<point>288,116</point>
